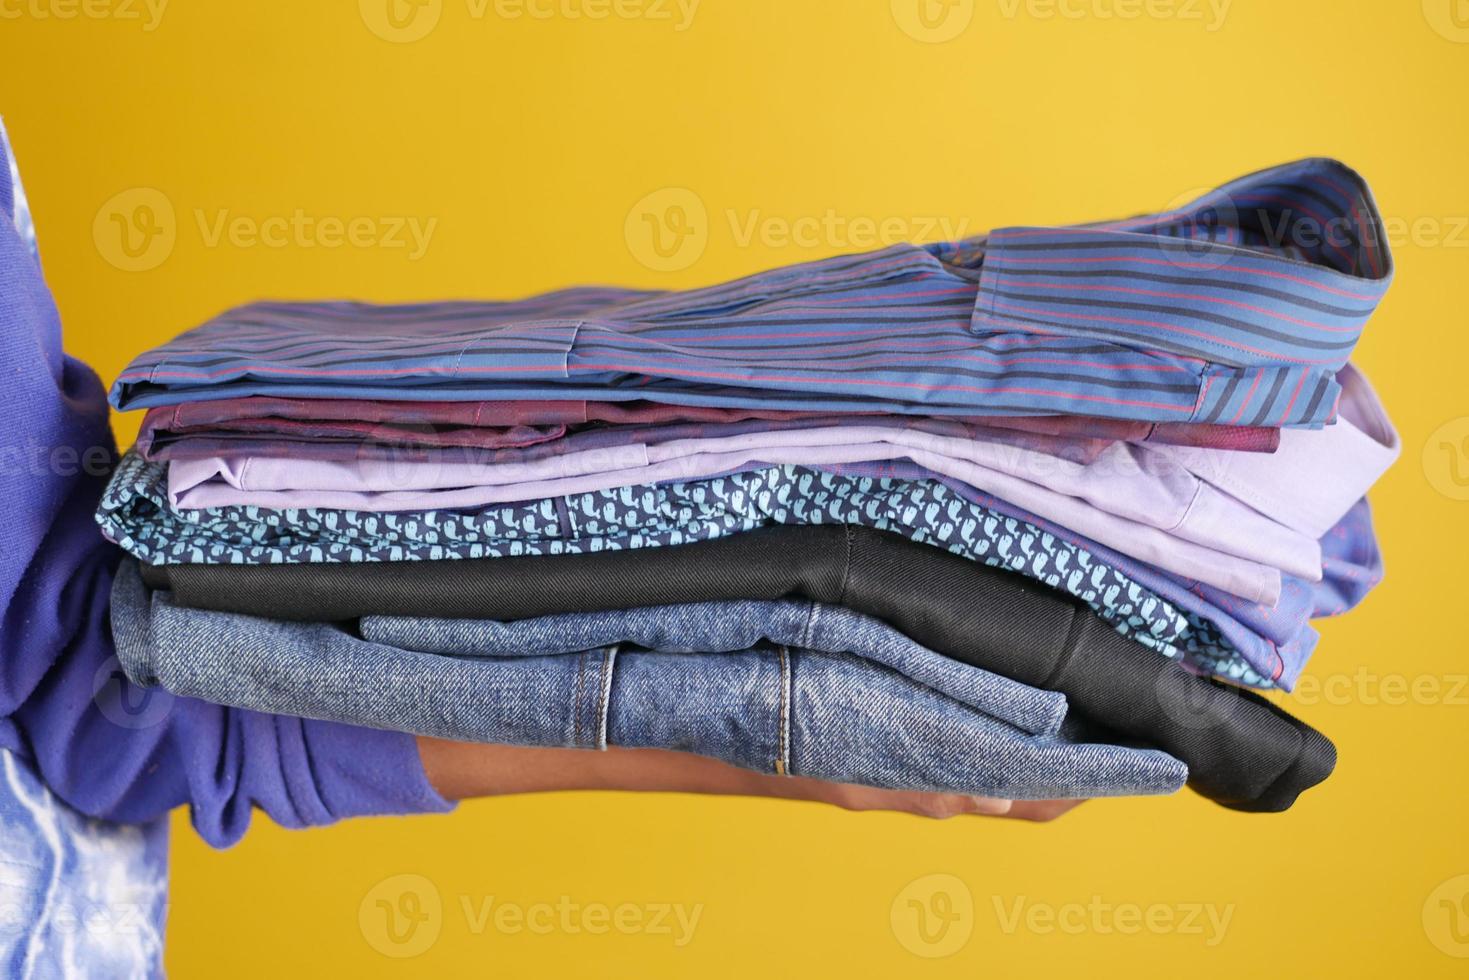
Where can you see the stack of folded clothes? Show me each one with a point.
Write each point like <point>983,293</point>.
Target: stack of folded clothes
<point>1023,516</point>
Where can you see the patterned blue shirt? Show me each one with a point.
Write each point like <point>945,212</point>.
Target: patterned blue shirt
<point>135,514</point>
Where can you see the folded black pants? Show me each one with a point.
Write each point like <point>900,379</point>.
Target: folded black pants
<point>1241,750</point>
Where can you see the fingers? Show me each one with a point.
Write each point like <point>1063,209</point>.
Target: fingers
<point>938,806</point>
<point>1042,811</point>
<point>935,806</point>
<point>991,808</point>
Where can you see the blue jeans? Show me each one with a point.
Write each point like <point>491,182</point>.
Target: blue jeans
<point>787,687</point>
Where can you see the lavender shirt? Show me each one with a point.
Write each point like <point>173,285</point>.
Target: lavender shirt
<point>1313,478</point>
<point>1161,505</point>
<point>248,483</point>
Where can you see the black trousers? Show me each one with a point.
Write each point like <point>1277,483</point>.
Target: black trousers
<point>1241,750</point>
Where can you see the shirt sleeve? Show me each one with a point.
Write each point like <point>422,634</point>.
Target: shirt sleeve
<point>105,747</point>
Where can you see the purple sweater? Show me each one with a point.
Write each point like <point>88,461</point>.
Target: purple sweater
<point>62,699</point>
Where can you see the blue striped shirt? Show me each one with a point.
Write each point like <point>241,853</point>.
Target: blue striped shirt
<point>1237,309</point>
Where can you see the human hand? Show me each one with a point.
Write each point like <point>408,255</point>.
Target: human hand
<point>461,770</point>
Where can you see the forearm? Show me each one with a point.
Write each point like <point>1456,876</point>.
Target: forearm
<point>460,771</point>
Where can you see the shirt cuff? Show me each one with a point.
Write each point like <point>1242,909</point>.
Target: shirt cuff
<point>364,772</point>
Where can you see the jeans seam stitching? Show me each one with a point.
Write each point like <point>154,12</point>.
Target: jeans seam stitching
<point>581,664</point>
<point>782,761</point>
<point>604,695</point>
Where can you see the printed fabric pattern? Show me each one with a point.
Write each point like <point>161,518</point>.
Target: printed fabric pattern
<point>135,514</point>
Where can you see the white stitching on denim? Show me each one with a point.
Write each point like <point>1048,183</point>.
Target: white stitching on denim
<point>604,699</point>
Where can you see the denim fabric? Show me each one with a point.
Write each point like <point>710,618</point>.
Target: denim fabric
<point>1247,755</point>
<point>730,627</point>
<point>78,897</point>
<point>771,708</point>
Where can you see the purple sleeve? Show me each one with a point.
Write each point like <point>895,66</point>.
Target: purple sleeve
<point>107,748</point>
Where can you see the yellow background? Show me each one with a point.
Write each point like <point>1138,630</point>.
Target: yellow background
<point>530,141</point>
